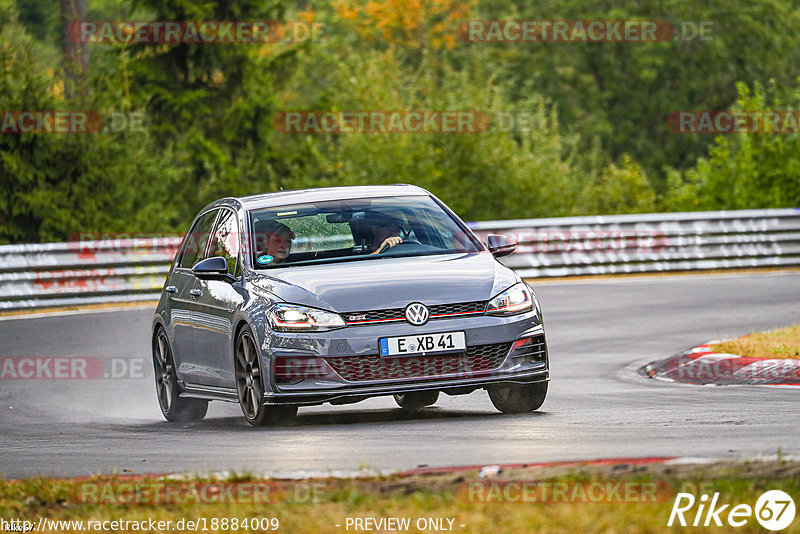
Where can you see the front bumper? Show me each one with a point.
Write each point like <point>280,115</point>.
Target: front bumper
<point>362,341</point>
<point>363,392</point>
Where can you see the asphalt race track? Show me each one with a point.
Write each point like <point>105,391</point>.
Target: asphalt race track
<point>599,332</point>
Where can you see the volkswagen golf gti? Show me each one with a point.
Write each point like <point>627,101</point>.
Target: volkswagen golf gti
<point>297,298</point>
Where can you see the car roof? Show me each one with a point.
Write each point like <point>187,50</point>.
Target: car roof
<point>322,194</point>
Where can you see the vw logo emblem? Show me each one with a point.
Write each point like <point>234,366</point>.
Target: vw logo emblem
<point>417,314</point>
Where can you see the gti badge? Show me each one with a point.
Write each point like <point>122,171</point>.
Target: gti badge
<point>417,314</point>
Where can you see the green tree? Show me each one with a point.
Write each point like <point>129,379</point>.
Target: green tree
<point>54,185</point>
<point>213,103</point>
<point>746,170</point>
<point>622,92</point>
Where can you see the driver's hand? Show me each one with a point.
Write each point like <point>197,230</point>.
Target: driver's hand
<point>388,243</point>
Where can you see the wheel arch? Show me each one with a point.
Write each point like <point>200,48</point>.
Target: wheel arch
<point>241,322</point>
<point>257,324</point>
<point>257,328</point>
<point>158,324</point>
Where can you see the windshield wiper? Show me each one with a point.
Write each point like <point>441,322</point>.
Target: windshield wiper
<point>345,259</point>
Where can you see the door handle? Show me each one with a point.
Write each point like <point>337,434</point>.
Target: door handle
<point>171,289</point>
<point>196,293</point>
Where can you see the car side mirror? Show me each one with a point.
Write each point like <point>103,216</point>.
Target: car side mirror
<point>215,268</point>
<point>500,245</point>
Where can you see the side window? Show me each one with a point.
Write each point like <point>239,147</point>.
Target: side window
<point>197,239</point>
<point>225,241</point>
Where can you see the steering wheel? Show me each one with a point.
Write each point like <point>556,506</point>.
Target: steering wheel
<point>385,248</point>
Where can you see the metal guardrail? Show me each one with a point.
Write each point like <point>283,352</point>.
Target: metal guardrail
<point>61,274</point>
<point>655,242</point>
<point>86,272</point>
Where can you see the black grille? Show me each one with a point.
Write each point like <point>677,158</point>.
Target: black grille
<point>374,315</point>
<point>398,314</point>
<point>461,307</point>
<point>476,361</point>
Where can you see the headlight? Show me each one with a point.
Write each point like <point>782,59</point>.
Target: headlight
<point>516,299</point>
<point>291,318</point>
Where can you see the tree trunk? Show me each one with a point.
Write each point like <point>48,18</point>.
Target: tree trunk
<point>75,53</point>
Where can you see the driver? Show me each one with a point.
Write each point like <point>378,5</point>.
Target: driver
<point>273,239</point>
<point>386,234</point>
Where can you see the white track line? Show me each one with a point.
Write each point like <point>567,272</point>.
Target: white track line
<point>38,315</point>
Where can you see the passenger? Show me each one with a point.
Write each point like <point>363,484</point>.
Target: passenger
<point>273,242</point>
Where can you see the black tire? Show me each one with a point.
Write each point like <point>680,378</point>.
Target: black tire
<point>173,407</point>
<point>518,398</point>
<point>416,400</point>
<point>250,386</point>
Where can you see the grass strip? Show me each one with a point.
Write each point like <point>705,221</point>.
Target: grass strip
<point>606,499</point>
<point>781,343</point>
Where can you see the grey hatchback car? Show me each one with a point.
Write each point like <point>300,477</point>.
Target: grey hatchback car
<point>298,298</point>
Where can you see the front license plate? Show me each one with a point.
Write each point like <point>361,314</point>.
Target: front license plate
<point>423,344</point>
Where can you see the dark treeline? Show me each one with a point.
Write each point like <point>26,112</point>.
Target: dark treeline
<point>577,127</point>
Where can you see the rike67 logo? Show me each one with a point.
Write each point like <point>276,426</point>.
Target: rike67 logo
<point>774,510</point>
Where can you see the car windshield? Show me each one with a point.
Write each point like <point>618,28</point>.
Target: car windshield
<point>364,228</point>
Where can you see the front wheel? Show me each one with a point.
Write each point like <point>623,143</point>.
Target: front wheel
<point>251,388</point>
<point>416,400</point>
<point>173,407</point>
<point>518,398</point>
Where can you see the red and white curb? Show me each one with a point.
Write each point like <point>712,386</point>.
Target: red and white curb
<point>489,470</point>
<point>484,470</point>
<point>700,365</point>
<point>365,473</point>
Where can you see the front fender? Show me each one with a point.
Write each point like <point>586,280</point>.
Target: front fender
<point>253,314</point>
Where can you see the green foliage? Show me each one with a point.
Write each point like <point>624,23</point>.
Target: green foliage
<point>482,175</point>
<point>53,185</point>
<point>529,170</point>
<point>746,170</point>
<point>620,188</point>
<point>622,92</point>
